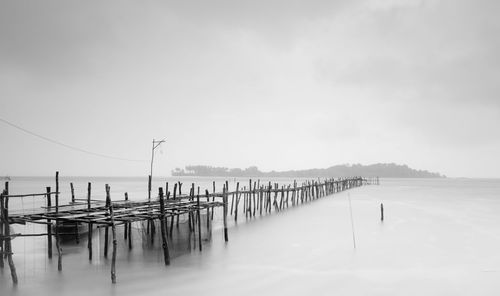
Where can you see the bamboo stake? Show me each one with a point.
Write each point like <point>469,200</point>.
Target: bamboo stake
<point>89,241</point>
<point>2,250</point>
<point>106,229</point>
<point>166,255</point>
<point>237,201</point>
<point>72,193</point>
<point>224,198</point>
<point>8,245</point>
<point>57,192</point>
<point>199,218</point>
<point>49,226</point>
<point>113,233</point>
<point>213,199</point>
<point>58,247</point>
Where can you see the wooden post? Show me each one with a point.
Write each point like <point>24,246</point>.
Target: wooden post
<point>130,235</point>
<point>113,233</point>
<point>72,193</point>
<point>249,203</point>
<point>224,198</point>
<point>232,204</point>
<point>49,225</point>
<point>213,199</point>
<point>199,217</point>
<point>261,195</point>
<point>237,201</point>
<point>8,245</point>
<point>245,201</point>
<point>382,212</point>
<point>2,250</point>
<point>89,241</point>
<point>166,255</point>
<point>106,229</point>
<point>57,192</point>
<point>58,247</point>
<point>190,218</point>
<point>149,187</point>
<point>208,211</point>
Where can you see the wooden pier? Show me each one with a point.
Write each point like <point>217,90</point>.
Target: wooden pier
<point>166,209</point>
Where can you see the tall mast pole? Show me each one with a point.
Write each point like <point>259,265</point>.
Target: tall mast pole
<point>155,145</point>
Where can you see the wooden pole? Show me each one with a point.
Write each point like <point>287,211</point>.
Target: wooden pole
<point>72,193</point>
<point>49,226</point>
<point>213,199</point>
<point>57,192</point>
<point>253,197</point>
<point>237,201</point>
<point>149,186</point>
<point>130,235</point>
<point>89,241</point>
<point>382,212</point>
<point>5,205</point>
<point>125,225</point>
<point>113,233</point>
<point>208,210</point>
<point>224,198</point>
<point>232,204</point>
<point>199,218</point>
<point>2,250</point>
<point>106,229</point>
<point>8,245</point>
<point>58,247</point>
<point>166,255</point>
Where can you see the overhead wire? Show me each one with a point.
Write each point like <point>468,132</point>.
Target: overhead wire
<point>68,146</point>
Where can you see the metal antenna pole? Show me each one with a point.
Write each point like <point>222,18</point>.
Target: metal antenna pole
<point>155,145</point>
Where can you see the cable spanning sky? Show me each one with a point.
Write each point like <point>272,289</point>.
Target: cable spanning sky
<point>277,84</point>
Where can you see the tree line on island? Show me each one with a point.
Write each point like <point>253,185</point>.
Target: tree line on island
<point>383,170</point>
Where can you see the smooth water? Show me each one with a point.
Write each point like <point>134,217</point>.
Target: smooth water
<point>439,237</point>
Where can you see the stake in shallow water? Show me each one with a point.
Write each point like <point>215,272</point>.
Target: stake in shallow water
<point>352,221</point>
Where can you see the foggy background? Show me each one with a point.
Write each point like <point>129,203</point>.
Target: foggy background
<point>277,84</point>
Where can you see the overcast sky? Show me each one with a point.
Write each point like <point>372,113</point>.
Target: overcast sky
<point>280,84</point>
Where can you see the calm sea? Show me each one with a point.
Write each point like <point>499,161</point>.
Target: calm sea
<point>439,237</point>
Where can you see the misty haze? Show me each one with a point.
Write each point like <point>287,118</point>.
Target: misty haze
<point>249,147</point>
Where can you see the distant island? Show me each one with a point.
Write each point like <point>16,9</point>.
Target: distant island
<point>383,170</point>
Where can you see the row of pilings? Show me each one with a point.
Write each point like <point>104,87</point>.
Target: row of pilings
<point>166,209</point>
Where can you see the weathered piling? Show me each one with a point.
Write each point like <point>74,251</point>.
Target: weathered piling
<point>106,228</point>
<point>2,251</point>
<point>113,233</point>
<point>199,217</point>
<point>166,255</point>
<point>72,192</point>
<point>89,241</point>
<point>237,201</point>
<point>224,198</point>
<point>58,247</point>
<point>49,226</point>
<point>8,245</point>
<point>382,212</point>
<point>57,192</point>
